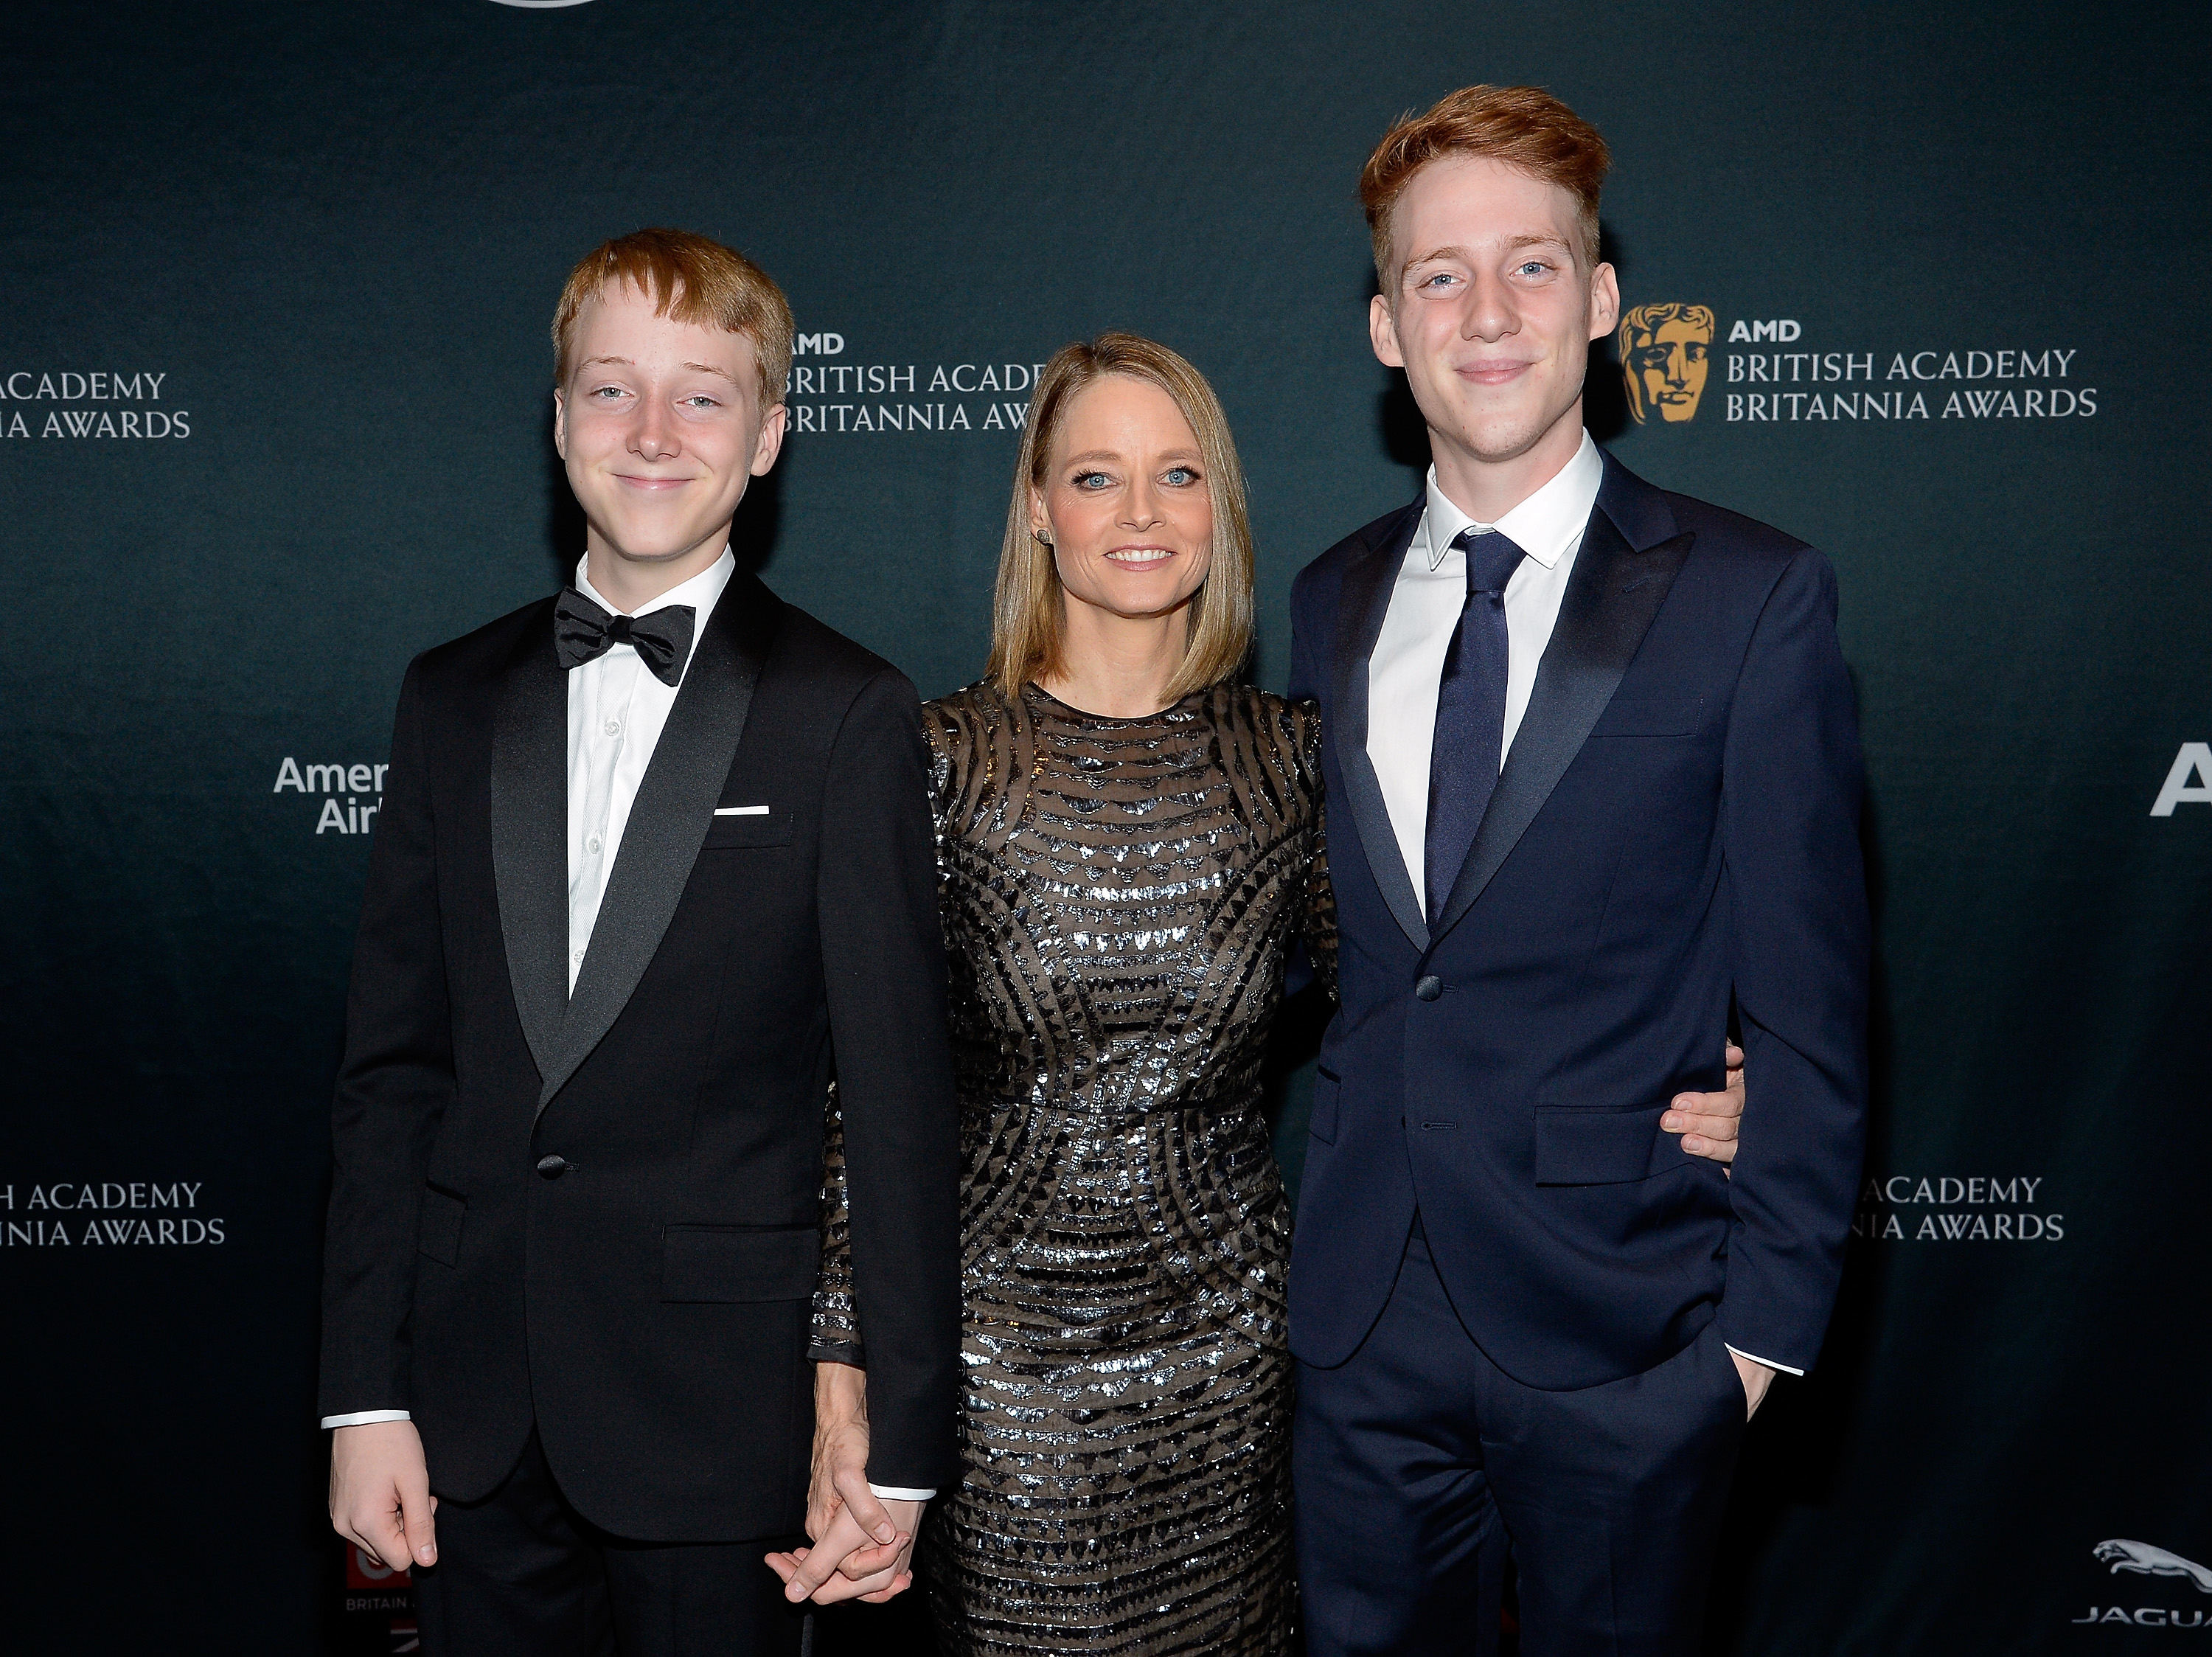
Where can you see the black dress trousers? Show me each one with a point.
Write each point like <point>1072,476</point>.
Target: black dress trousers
<point>522,1573</point>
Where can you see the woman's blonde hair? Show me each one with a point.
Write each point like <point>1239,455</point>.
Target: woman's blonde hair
<point>1028,610</point>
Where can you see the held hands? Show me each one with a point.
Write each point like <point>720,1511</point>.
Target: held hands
<point>380,1492</point>
<point>863,1544</point>
<point>1708,1122</point>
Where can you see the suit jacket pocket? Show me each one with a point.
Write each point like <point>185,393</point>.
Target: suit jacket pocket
<point>1601,1148</point>
<point>740,1263</point>
<point>769,828</point>
<point>1669,715</point>
<point>438,1234</point>
<point>1322,1118</point>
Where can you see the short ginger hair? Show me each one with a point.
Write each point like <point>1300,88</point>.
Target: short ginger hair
<point>693,280</point>
<point>1523,126</point>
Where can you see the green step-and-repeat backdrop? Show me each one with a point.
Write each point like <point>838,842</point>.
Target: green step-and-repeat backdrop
<point>274,282</point>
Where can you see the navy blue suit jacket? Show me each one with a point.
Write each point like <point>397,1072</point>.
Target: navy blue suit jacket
<point>1676,825</point>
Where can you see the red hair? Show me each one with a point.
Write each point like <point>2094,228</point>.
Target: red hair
<point>1523,126</point>
<point>693,280</point>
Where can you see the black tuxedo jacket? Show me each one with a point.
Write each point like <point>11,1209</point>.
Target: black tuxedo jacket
<point>646,1304</point>
<point>1675,829</point>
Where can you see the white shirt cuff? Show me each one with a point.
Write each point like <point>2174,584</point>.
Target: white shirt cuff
<point>1769,1362</point>
<point>893,1493</point>
<point>363,1418</point>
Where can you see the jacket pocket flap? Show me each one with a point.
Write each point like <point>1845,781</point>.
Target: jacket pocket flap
<point>1658,716</point>
<point>1601,1148</point>
<point>770,828</point>
<point>736,1264</point>
<point>438,1233</point>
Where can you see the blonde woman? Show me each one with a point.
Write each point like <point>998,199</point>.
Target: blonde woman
<point>1129,845</point>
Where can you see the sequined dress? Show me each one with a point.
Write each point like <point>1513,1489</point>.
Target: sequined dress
<point>1120,897</point>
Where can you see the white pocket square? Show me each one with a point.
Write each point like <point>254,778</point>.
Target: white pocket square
<point>741,811</point>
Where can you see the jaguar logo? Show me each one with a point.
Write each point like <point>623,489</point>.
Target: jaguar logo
<point>2147,1561</point>
<point>1665,351</point>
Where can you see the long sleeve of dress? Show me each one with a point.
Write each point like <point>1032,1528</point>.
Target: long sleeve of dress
<point>1317,926</point>
<point>836,1319</point>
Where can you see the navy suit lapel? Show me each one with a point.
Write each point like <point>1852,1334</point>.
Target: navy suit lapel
<point>675,807</point>
<point>1629,559</point>
<point>530,834</point>
<point>1362,602</point>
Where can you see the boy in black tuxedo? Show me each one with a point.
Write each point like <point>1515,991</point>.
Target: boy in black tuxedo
<point>654,867</point>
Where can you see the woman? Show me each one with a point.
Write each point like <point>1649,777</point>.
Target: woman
<point>1129,845</point>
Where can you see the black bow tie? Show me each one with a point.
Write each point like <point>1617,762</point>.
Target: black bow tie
<point>583,632</point>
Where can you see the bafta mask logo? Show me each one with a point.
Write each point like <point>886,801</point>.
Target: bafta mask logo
<point>1665,352</point>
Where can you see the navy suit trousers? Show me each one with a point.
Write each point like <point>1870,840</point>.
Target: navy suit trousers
<point>1421,1467</point>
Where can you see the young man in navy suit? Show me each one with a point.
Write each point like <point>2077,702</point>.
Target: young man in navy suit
<point>1594,774</point>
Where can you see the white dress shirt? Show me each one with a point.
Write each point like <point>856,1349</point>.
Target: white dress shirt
<point>1408,662</point>
<point>617,709</point>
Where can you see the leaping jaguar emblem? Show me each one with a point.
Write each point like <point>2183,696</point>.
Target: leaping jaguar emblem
<point>2147,1561</point>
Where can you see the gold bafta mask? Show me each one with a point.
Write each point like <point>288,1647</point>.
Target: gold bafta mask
<point>1665,352</point>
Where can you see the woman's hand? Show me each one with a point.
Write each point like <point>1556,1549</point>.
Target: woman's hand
<point>1708,1122</point>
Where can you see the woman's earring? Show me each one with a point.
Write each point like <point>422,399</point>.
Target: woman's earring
<point>1044,535</point>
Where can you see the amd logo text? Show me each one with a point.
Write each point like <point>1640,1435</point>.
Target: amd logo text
<point>1780,328</point>
<point>819,345</point>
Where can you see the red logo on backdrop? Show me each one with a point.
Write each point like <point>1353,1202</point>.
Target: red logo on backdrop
<point>362,1571</point>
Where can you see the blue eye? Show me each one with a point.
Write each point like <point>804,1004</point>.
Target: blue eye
<point>1091,480</point>
<point>1181,475</point>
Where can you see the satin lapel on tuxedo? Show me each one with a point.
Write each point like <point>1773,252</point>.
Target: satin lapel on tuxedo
<point>1362,602</point>
<point>1614,594</point>
<point>674,809</point>
<point>529,835</point>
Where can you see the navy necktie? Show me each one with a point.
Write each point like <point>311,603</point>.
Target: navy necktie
<point>1470,734</point>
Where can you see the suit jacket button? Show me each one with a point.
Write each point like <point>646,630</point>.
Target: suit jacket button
<point>1428,989</point>
<point>552,1167</point>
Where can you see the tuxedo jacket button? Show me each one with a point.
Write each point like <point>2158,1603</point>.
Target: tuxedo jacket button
<point>1430,988</point>
<point>552,1167</point>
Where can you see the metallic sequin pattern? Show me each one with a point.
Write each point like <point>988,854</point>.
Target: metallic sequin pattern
<point>1120,897</point>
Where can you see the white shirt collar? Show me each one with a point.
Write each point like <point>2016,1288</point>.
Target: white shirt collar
<point>1543,526</point>
<point>701,593</point>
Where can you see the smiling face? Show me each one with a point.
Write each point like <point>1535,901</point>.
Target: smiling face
<point>661,426</point>
<point>1125,501</point>
<point>1492,313</point>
